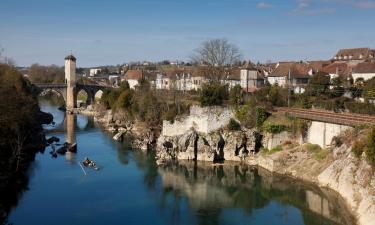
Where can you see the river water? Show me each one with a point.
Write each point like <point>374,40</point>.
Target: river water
<point>130,189</point>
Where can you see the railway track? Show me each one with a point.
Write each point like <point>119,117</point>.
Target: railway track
<point>350,119</point>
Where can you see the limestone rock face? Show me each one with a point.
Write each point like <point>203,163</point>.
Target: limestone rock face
<point>216,146</point>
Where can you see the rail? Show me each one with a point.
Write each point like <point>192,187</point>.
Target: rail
<point>349,119</point>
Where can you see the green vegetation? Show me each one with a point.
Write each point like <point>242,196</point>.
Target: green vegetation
<point>235,95</point>
<point>265,151</point>
<point>20,119</point>
<point>318,152</point>
<point>145,104</point>
<point>260,116</point>
<point>366,144</point>
<point>213,94</point>
<point>274,128</point>
<point>233,125</point>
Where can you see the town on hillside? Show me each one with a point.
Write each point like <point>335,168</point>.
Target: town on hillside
<point>350,66</point>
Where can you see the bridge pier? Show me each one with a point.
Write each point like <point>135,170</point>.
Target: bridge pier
<point>322,133</point>
<point>70,79</point>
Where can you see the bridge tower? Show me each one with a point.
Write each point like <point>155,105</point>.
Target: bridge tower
<point>70,80</point>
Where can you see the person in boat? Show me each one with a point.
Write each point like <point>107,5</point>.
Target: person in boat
<point>87,161</point>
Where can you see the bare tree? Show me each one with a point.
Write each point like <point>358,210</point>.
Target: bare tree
<point>215,54</point>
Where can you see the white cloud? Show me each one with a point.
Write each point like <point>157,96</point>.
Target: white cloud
<point>303,8</point>
<point>263,5</point>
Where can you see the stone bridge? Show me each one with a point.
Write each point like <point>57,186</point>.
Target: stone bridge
<point>61,90</point>
<point>69,90</point>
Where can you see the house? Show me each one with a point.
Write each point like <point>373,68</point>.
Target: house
<point>318,65</point>
<point>232,77</point>
<point>198,77</point>
<point>292,74</point>
<point>94,71</point>
<point>364,70</point>
<point>252,78</point>
<point>133,76</point>
<point>173,79</point>
<point>338,69</point>
<point>353,56</point>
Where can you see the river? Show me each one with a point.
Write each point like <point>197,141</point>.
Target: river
<point>130,189</point>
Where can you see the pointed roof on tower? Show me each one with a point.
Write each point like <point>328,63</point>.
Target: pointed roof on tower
<point>71,57</point>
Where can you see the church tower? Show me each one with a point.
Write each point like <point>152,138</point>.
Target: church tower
<point>70,80</point>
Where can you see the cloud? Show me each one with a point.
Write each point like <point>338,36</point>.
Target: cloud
<point>365,4</point>
<point>263,5</point>
<point>303,7</point>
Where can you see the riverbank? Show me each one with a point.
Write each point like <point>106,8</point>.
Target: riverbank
<point>336,168</point>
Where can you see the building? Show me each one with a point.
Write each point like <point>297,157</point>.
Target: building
<point>252,78</point>
<point>133,76</point>
<point>354,56</point>
<point>291,74</point>
<point>364,71</point>
<point>94,71</point>
<point>338,69</point>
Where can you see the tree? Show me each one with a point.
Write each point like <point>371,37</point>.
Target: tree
<point>216,54</point>
<point>213,94</point>
<point>235,95</point>
<point>318,84</point>
<point>369,89</point>
<point>46,74</point>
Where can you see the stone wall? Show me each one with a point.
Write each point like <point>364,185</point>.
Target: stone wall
<point>321,133</point>
<point>203,120</point>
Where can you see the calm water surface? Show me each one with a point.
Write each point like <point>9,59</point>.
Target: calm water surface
<point>130,189</point>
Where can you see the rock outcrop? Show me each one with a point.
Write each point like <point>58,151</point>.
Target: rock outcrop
<point>216,146</point>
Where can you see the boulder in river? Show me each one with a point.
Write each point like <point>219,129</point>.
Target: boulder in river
<point>53,139</point>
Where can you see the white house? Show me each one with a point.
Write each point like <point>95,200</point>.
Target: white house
<point>94,71</point>
<point>132,76</point>
<point>292,74</point>
<point>364,70</point>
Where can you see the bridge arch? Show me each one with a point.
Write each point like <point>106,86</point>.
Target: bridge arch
<point>57,92</point>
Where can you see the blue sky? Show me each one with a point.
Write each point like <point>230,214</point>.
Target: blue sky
<point>112,31</point>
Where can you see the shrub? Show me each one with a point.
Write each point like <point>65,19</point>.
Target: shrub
<point>233,125</point>
<point>274,128</point>
<point>359,147</point>
<point>235,95</point>
<point>313,147</point>
<point>261,116</point>
<point>370,150</point>
<point>213,94</point>
<point>359,107</point>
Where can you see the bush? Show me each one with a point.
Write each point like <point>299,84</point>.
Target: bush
<point>233,125</point>
<point>213,94</point>
<point>370,150</point>
<point>261,116</point>
<point>313,147</point>
<point>235,95</point>
<point>274,128</point>
<point>359,107</point>
<point>359,147</point>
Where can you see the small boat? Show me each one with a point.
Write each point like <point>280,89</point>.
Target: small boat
<point>90,163</point>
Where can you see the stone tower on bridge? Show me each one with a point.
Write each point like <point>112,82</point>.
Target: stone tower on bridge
<point>70,80</point>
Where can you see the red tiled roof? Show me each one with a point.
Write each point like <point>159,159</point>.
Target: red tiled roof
<point>353,53</point>
<point>338,68</point>
<point>133,75</point>
<point>366,67</point>
<point>297,70</point>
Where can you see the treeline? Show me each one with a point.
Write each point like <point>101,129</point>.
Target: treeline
<point>21,135</point>
<point>20,116</point>
<point>46,74</point>
<point>145,104</point>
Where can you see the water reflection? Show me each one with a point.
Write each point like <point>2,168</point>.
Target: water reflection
<point>213,190</point>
